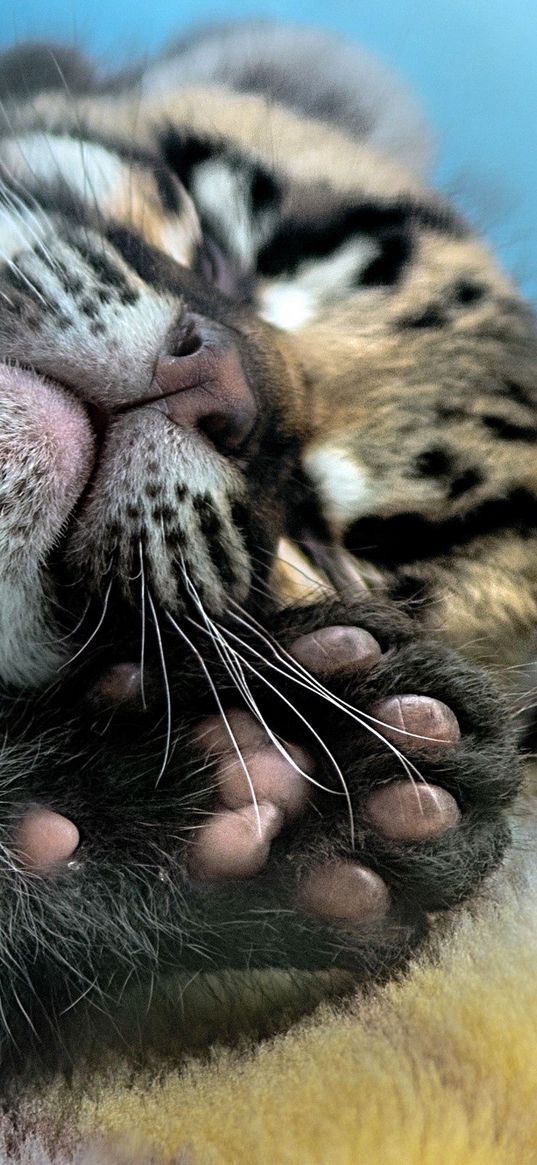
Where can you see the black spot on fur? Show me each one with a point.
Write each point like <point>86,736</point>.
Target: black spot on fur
<point>185,152</point>
<point>153,490</point>
<point>164,514</point>
<point>206,512</point>
<point>386,268</point>
<point>240,516</point>
<point>297,241</point>
<point>466,292</point>
<point>70,283</point>
<point>211,529</point>
<point>409,537</point>
<point>88,308</point>
<point>453,413</point>
<point>176,538</point>
<point>519,395</point>
<point>440,463</point>
<point>435,462</point>
<point>264,190</point>
<point>430,317</point>
<point>466,481</point>
<point>107,272</point>
<point>509,430</point>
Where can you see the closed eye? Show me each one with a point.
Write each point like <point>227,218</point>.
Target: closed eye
<point>219,270</point>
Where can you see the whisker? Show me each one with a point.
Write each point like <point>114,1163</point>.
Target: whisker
<point>70,634</point>
<point>300,716</point>
<point>142,604</point>
<point>20,274</point>
<point>94,633</point>
<point>254,707</point>
<point>320,741</point>
<point>313,682</point>
<point>310,682</point>
<point>166,688</point>
<point>229,731</point>
<point>26,216</point>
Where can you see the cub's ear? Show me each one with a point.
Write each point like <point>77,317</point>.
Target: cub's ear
<point>33,68</point>
<point>312,72</point>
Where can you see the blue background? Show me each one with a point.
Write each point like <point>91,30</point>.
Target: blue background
<point>472,62</point>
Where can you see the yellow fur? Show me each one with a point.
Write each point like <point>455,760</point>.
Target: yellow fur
<point>438,1069</point>
<point>441,1067</point>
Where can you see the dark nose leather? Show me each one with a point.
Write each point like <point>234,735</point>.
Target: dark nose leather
<point>203,385</point>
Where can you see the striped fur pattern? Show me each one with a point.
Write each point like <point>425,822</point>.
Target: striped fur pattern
<point>392,369</point>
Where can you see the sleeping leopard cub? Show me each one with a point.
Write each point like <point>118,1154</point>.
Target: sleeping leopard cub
<point>268,511</point>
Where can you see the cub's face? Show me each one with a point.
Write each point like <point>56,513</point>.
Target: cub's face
<point>221,322</point>
<point>148,420</point>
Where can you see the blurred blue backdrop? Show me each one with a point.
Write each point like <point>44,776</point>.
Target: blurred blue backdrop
<point>472,62</point>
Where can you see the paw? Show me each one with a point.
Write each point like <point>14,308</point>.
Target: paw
<point>355,778</point>
<point>371,789</point>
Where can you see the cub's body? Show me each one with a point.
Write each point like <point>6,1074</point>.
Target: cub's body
<point>354,447</point>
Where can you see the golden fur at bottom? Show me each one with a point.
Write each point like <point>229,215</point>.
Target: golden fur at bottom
<point>440,1067</point>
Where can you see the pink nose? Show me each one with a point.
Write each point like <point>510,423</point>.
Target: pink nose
<point>203,385</point>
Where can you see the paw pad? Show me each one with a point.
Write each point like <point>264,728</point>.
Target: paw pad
<point>262,786</point>
<point>45,840</point>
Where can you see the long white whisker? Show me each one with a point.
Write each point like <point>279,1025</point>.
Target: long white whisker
<point>19,272</point>
<point>313,732</point>
<point>320,741</point>
<point>93,634</point>
<point>26,217</point>
<point>166,688</point>
<point>142,648</point>
<point>70,634</point>
<point>229,731</point>
<point>309,681</point>
<point>212,631</point>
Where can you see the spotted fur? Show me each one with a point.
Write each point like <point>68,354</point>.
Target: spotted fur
<point>392,368</point>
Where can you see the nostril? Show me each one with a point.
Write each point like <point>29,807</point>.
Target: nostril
<point>186,341</point>
<point>210,392</point>
<point>200,383</point>
<point>228,430</point>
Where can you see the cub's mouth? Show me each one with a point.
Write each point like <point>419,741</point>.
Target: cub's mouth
<point>149,479</point>
<point>161,475</point>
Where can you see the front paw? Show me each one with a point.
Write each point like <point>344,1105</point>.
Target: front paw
<point>364,782</point>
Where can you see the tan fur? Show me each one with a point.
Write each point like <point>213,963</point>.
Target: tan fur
<point>361,370</point>
<point>365,378</point>
<point>419,1074</point>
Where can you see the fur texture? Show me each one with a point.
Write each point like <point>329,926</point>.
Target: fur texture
<point>438,1066</point>
<point>360,379</point>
